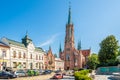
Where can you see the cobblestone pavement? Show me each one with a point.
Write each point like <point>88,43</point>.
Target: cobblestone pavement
<point>40,77</point>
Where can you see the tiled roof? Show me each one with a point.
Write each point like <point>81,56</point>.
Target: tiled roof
<point>39,49</point>
<point>86,52</point>
<point>15,43</point>
<point>3,44</point>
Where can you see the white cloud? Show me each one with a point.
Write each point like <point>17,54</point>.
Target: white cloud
<point>49,41</point>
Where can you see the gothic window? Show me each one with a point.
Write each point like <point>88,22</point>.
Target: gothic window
<point>67,57</point>
<point>14,54</point>
<point>19,55</point>
<point>68,49</point>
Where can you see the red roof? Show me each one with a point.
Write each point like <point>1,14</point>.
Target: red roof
<point>86,52</point>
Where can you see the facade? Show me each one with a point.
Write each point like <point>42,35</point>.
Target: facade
<point>24,55</point>
<point>4,55</point>
<point>73,58</point>
<point>59,64</point>
<point>50,60</point>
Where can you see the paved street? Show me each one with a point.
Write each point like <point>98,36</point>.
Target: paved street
<point>40,77</point>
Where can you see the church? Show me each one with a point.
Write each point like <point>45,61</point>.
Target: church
<point>73,58</point>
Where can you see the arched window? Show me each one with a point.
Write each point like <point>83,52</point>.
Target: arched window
<point>24,55</point>
<point>14,54</point>
<point>36,57</point>
<point>67,57</point>
<point>19,55</point>
<point>30,56</point>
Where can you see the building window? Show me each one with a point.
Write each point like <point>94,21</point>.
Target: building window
<point>30,56</point>
<point>14,65</point>
<point>14,54</point>
<point>36,57</point>
<point>3,53</point>
<point>67,57</point>
<point>39,57</point>
<point>24,56</point>
<point>19,55</point>
<point>24,65</point>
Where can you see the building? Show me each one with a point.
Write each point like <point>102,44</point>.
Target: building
<point>24,55</point>
<point>4,55</point>
<point>59,64</point>
<point>50,60</point>
<point>73,58</point>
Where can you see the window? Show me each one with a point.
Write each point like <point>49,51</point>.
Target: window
<point>67,57</point>
<point>14,54</point>
<point>30,56</point>
<point>4,53</point>
<point>36,57</point>
<point>14,64</point>
<point>24,56</point>
<point>39,57</point>
<point>24,65</point>
<point>19,55</point>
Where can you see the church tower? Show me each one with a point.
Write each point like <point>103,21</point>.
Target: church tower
<point>69,43</point>
<point>73,58</point>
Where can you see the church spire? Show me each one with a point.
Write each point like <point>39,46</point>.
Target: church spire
<point>60,49</point>
<point>69,15</point>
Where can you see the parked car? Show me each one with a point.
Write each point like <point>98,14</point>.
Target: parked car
<point>7,75</point>
<point>41,71</point>
<point>20,73</point>
<point>47,72</point>
<point>58,76</point>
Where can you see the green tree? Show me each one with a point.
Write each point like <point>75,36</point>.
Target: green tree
<point>92,61</point>
<point>108,51</point>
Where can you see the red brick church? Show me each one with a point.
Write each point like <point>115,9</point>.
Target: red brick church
<point>73,58</point>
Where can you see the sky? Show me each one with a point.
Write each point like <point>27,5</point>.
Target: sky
<point>45,21</point>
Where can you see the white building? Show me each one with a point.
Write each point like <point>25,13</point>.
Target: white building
<point>24,55</point>
<point>4,55</point>
<point>59,64</point>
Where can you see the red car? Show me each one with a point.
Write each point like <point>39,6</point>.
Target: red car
<point>58,76</point>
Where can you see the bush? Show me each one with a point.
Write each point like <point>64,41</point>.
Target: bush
<point>30,73</point>
<point>82,75</point>
<point>36,73</point>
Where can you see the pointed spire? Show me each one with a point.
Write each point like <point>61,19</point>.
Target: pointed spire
<point>50,48</point>
<point>69,15</point>
<point>60,49</point>
<point>79,45</point>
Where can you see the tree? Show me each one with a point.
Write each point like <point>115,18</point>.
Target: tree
<point>108,51</point>
<point>55,55</point>
<point>92,61</point>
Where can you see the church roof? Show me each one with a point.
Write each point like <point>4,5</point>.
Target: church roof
<point>86,52</point>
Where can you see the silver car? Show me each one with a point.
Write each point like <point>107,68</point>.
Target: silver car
<point>20,73</point>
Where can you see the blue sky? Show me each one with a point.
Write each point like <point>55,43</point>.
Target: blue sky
<point>45,21</point>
